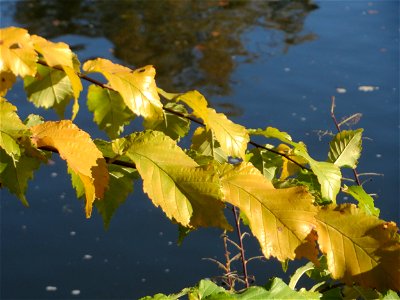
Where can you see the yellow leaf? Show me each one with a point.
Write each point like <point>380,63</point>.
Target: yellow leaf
<point>137,88</point>
<point>7,80</point>
<point>360,248</point>
<point>16,52</point>
<point>289,168</point>
<point>76,88</point>
<point>186,193</point>
<point>55,54</point>
<point>232,137</point>
<point>281,219</point>
<point>60,55</point>
<point>82,156</point>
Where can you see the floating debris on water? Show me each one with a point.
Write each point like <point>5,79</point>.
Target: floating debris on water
<point>87,257</point>
<point>51,288</point>
<point>378,155</point>
<point>75,292</point>
<point>341,90</point>
<point>72,233</point>
<point>368,88</point>
<point>53,174</point>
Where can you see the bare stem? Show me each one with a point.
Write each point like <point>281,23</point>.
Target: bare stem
<point>338,129</point>
<point>240,236</point>
<point>230,282</point>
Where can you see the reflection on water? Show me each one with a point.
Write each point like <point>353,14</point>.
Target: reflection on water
<point>193,44</point>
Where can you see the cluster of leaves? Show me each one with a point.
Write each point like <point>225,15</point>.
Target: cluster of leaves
<point>287,198</point>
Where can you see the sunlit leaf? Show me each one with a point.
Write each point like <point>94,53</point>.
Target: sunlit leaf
<point>109,110</point>
<point>328,174</point>
<point>204,143</point>
<point>17,52</point>
<point>7,79</point>
<point>276,289</point>
<point>345,148</point>
<point>185,192</point>
<point>49,88</point>
<point>360,248</point>
<point>281,219</point>
<point>365,201</point>
<point>273,133</point>
<point>60,55</point>
<point>11,128</point>
<point>172,125</point>
<point>120,186</point>
<point>54,54</point>
<point>206,289</point>
<point>15,175</point>
<point>137,88</point>
<point>82,156</point>
<point>232,137</point>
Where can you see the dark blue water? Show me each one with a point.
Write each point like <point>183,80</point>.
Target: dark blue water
<point>281,73</point>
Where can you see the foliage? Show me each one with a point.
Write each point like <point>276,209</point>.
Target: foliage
<point>287,198</point>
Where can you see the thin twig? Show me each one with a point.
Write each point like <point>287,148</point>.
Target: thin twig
<point>230,282</point>
<point>243,258</point>
<point>338,129</point>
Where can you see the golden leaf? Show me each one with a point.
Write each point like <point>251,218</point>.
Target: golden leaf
<point>360,248</point>
<point>16,52</point>
<point>81,154</point>
<point>281,219</point>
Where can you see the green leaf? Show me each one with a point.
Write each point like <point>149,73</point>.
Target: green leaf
<point>171,125</point>
<point>328,174</point>
<point>109,110</point>
<point>359,292</point>
<point>390,295</point>
<point>207,289</point>
<point>50,88</point>
<point>359,248</point>
<point>16,174</point>
<point>119,187</point>
<point>267,162</point>
<point>232,137</point>
<point>281,219</point>
<point>11,129</point>
<point>203,142</point>
<point>276,289</point>
<point>365,201</point>
<point>186,193</point>
<point>345,148</point>
<point>273,133</point>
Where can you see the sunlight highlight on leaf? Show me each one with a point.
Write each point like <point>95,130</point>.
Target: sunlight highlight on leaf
<point>137,88</point>
<point>345,148</point>
<point>17,52</point>
<point>232,137</point>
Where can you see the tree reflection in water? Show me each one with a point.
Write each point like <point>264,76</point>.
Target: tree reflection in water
<point>193,44</point>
